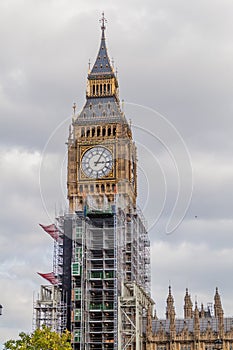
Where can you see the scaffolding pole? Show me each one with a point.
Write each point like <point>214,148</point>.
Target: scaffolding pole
<point>132,309</point>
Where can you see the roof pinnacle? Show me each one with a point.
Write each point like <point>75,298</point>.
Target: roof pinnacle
<point>169,289</point>
<point>103,21</point>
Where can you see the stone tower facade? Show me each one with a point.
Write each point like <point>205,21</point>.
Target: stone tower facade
<point>101,152</point>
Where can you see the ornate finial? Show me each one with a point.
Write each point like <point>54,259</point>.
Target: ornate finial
<point>113,62</point>
<point>74,107</point>
<point>89,65</point>
<point>103,21</point>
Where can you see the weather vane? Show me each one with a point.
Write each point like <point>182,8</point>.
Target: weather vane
<point>103,21</point>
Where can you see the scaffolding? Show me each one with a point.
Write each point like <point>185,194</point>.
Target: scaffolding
<point>133,306</point>
<point>102,265</point>
<point>58,249</point>
<point>110,250</point>
<point>49,310</point>
<point>94,312</point>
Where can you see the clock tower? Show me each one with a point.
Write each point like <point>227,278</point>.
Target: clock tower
<point>102,256</point>
<point>101,152</point>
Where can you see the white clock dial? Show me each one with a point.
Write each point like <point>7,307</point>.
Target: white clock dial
<point>97,162</point>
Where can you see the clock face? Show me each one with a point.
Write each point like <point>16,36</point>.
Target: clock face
<point>97,162</point>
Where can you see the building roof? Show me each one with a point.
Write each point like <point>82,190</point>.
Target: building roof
<point>188,324</point>
<point>101,110</point>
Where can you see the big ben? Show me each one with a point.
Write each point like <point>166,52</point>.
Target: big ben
<point>103,261</point>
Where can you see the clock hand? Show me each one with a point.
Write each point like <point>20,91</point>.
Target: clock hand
<point>98,160</point>
<point>99,157</point>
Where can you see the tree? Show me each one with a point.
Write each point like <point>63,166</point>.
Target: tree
<point>40,339</point>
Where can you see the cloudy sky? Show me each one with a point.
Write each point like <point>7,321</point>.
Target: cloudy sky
<point>174,61</point>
